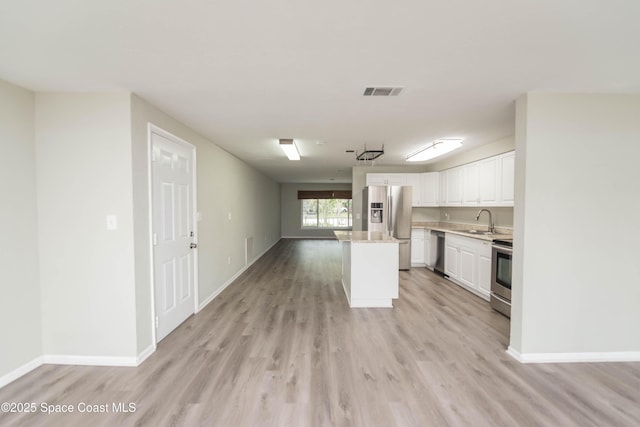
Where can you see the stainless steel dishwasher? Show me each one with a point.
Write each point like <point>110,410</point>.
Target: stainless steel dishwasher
<point>439,266</point>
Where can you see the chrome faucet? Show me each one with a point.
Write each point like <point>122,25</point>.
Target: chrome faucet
<point>491,227</point>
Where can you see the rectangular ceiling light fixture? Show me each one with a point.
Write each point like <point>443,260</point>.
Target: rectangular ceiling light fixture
<point>436,149</point>
<point>290,149</point>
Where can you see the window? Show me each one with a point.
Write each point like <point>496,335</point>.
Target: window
<point>325,208</point>
<point>326,213</point>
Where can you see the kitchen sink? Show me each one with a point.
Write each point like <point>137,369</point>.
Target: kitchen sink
<point>482,232</point>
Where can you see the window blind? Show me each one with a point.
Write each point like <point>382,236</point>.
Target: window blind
<point>324,194</point>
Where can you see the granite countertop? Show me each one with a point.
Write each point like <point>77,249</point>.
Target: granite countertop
<point>501,233</point>
<point>364,237</point>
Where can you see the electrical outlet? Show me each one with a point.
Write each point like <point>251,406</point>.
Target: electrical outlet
<point>229,216</point>
<point>229,260</point>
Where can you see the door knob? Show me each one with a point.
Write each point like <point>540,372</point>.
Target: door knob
<point>193,245</point>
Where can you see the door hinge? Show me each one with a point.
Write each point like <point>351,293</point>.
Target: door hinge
<point>156,322</point>
<point>155,239</point>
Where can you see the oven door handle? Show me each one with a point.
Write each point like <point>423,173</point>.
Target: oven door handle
<point>504,249</point>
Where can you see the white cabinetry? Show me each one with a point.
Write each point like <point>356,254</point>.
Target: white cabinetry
<point>430,189</point>
<point>421,251</point>
<point>413,181</point>
<point>467,263</point>
<point>370,273</point>
<point>488,182</point>
<point>376,179</point>
<point>453,187</point>
<point>484,269</point>
<point>488,175</point>
<point>386,179</point>
<point>425,186</point>
<point>507,168</point>
<point>451,258</point>
<point>470,174</point>
<point>418,258</point>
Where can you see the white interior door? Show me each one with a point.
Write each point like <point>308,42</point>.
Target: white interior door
<point>174,249</point>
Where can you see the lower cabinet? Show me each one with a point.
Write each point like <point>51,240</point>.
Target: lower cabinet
<point>484,269</point>
<point>418,258</point>
<point>467,263</point>
<point>422,251</point>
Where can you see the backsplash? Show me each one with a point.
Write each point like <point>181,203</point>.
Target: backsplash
<point>502,217</point>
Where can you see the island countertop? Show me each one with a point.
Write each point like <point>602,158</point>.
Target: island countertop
<point>364,237</point>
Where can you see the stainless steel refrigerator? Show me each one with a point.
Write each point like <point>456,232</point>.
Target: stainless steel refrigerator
<point>388,209</point>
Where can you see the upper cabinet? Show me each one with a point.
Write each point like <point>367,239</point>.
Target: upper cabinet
<point>507,167</point>
<point>429,189</point>
<point>487,182</point>
<point>453,182</point>
<point>387,178</point>
<point>426,188</point>
<point>413,181</point>
<point>470,184</point>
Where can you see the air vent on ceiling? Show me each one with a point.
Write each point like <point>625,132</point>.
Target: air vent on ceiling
<point>382,91</point>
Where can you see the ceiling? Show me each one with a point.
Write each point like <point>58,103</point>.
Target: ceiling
<point>245,73</point>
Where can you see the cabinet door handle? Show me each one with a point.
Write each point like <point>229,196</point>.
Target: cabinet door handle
<point>193,245</point>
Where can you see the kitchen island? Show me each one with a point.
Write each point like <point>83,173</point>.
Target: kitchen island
<point>370,262</point>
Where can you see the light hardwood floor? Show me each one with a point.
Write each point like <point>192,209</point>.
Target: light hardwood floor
<point>281,347</point>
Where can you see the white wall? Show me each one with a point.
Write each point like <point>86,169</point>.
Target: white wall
<point>576,274</point>
<point>425,214</point>
<point>74,291</point>
<point>83,155</point>
<point>291,214</point>
<point>225,185</point>
<point>20,322</point>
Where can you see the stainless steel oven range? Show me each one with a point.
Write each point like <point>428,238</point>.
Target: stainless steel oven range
<point>501,276</point>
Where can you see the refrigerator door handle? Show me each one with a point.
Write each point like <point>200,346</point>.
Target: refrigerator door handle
<point>390,219</point>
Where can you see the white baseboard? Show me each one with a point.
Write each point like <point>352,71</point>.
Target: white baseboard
<point>20,371</point>
<point>66,359</point>
<point>371,303</point>
<point>72,359</point>
<point>145,354</point>
<point>593,357</point>
<point>226,284</point>
<point>344,288</point>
